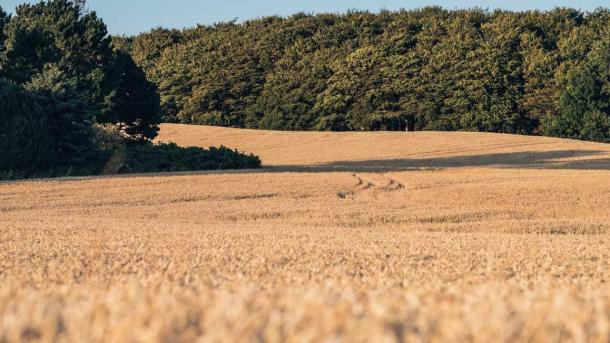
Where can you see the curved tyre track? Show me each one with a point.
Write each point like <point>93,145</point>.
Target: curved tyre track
<point>372,185</point>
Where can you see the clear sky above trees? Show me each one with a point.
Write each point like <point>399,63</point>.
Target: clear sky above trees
<point>133,16</point>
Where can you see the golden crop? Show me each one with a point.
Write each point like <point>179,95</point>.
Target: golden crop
<point>340,237</point>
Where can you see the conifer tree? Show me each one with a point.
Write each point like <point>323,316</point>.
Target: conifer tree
<point>27,146</point>
<point>4,19</point>
<point>63,34</point>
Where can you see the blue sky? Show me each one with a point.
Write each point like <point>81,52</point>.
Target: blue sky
<point>133,16</point>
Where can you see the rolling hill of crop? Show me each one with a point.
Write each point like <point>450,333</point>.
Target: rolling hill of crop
<point>396,150</point>
<point>388,236</point>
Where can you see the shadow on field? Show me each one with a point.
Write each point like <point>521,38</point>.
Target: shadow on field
<point>525,160</point>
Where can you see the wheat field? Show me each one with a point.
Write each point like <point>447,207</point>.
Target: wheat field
<point>341,237</point>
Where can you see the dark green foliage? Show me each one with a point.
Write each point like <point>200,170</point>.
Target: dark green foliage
<point>148,157</point>
<point>133,103</point>
<point>289,95</point>
<point>584,99</point>
<point>58,32</point>
<point>108,85</point>
<point>26,143</point>
<point>146,48</point>
<point>4,19</point>
<point>59,75</point>
<point>68,119</point>
<point>41,132</point>
<point>584,106</point>
<point>427,69</point>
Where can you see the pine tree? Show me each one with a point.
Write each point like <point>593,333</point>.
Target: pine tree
<point>133,104</point>
<point>27,146</point>
<point>63,34</point>
<point>61,66</point>
<point>68,119</point>
<point>4,19</point>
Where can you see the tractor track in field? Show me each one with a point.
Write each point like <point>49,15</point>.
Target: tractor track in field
<point>374,184</point>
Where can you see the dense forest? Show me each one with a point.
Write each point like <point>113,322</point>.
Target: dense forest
<point>70,99</point>
<point>72,96</point>
<point>533,72</point>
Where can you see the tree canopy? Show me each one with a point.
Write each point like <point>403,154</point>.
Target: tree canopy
<point>59,75</point>
<point>527,72</point>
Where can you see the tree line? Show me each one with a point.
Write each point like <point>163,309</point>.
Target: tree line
<point>533,72</point>
<point>70,98</point>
